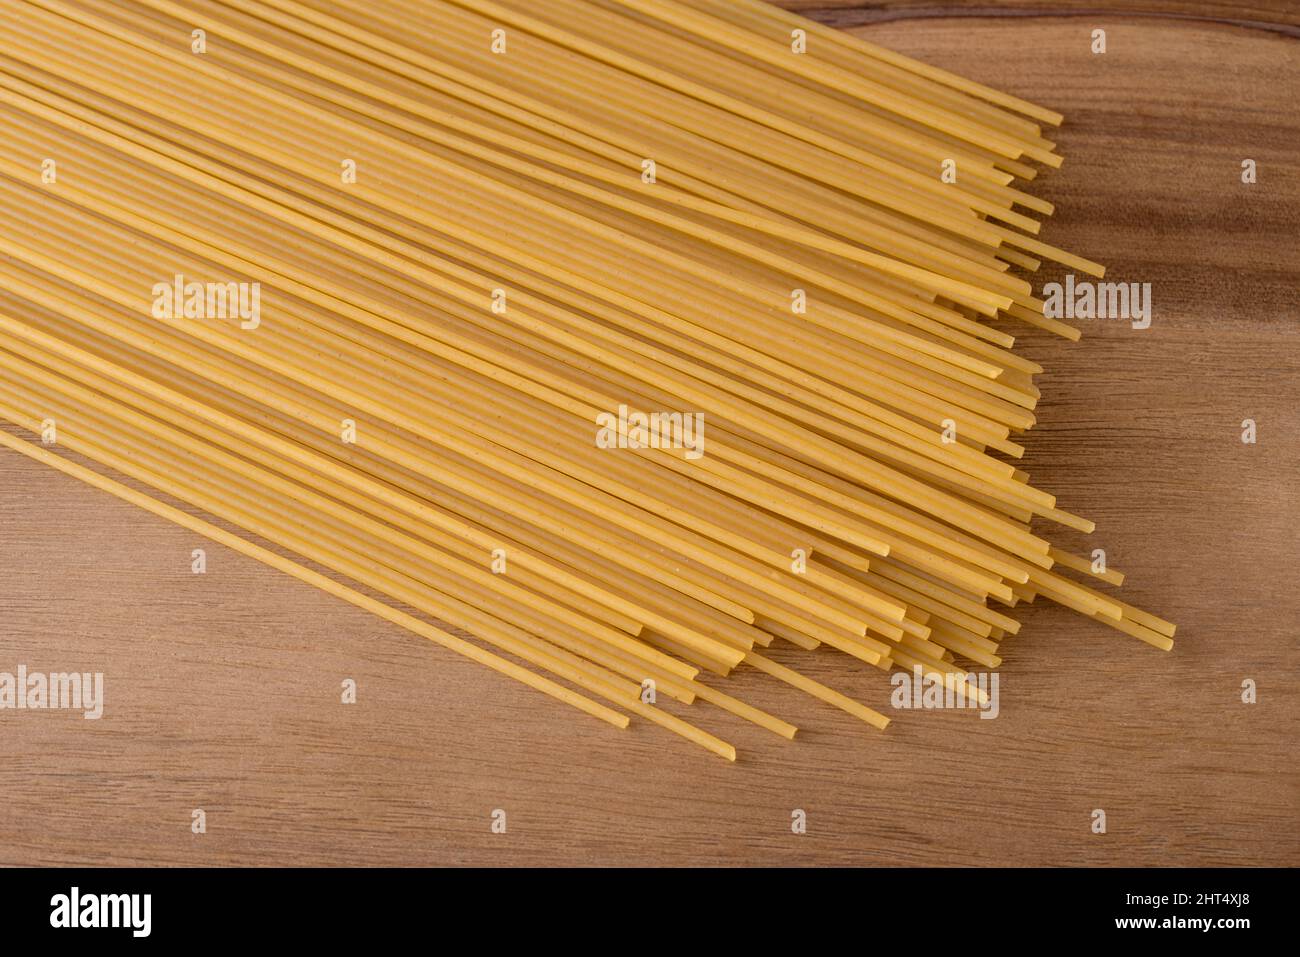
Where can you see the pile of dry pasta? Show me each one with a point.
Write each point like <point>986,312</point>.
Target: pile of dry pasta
<point>629,337</point>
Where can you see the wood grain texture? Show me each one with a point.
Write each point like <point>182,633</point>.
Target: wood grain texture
<point>1280,16</point>
<point>223,689</point>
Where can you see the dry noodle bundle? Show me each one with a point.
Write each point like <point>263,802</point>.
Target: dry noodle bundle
<point>630,337</point>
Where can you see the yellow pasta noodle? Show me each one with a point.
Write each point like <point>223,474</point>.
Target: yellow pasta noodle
<point>642,341</point>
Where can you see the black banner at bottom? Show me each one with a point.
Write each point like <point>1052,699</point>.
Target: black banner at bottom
<point>337,906</point>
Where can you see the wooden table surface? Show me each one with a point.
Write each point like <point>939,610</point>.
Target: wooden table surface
<point>223,690</point>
